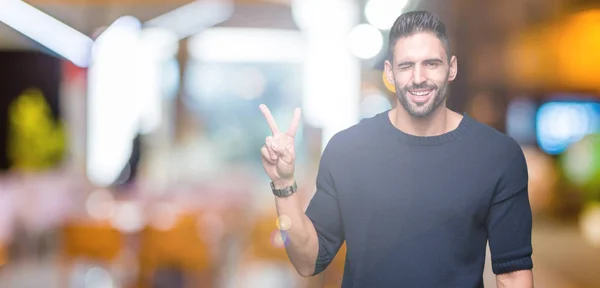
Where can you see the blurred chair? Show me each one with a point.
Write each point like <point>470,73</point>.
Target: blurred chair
<point>265,262</point>
<point>94,241</point>
<point>177,248</point>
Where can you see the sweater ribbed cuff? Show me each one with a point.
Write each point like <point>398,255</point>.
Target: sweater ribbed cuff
<point>524,263</point>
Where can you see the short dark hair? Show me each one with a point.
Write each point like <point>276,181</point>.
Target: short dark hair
<point>413,22</point>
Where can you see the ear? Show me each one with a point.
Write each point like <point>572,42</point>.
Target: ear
<point>453,69</point>
<point>389,73</point>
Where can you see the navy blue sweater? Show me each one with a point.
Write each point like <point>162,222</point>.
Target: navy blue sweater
<point>418,211</point>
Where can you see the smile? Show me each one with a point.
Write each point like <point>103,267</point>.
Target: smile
<point>420,96</point>
<point>421,93</point>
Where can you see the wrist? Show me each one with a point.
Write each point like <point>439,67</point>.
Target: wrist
<point>283,183</point>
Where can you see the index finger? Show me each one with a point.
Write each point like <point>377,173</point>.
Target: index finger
<point>270,120</point>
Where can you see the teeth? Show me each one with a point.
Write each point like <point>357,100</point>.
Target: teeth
<point>420,93</point>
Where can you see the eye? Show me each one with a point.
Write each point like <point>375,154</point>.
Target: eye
<point>432,64</point>
<point>404,66</point>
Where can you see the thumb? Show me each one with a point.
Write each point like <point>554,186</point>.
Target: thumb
<point>284,150</point>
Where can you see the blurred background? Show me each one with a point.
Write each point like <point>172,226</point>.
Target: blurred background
<point>130,129</point>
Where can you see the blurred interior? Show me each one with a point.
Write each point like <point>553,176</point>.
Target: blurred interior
<point>130,129</point>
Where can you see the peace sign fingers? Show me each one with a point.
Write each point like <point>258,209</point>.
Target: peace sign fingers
<point>270,120</point>
<point>278,153</point>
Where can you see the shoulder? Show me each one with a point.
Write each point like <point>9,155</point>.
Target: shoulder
<point>493,142</point>
<point>355,137</point>
<point>503,155</point>
<point>504,158</point>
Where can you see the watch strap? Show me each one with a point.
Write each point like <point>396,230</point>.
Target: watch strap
<point>284,192</point>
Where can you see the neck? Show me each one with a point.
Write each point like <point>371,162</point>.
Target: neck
<point>437,123</point>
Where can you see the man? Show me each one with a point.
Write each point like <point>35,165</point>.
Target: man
<point>417,191</point>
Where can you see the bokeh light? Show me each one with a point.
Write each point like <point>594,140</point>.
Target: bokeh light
<point>365,41</point>
<point>128,217</point>
<point>283,222</point>
<point>97,277</point>
<point>383,13</point>
<point>589,224</point>
<point>163,216</point>
<point>581,163</point>
<point>279,239</point>
<point>559,124</point>
<point>100,204</point>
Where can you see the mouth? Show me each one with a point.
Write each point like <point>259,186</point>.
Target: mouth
<point>421,95</point>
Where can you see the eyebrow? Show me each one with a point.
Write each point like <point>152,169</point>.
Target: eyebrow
<point>430,60</point>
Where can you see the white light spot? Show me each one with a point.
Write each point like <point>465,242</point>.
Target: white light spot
<point>365,41</point>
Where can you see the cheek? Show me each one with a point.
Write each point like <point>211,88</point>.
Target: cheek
<point>437,77</point>
<point>402,79</point>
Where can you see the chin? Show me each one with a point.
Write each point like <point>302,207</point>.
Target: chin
<point>420,110</point>
<point>419,114</point>
<point>423,109</point>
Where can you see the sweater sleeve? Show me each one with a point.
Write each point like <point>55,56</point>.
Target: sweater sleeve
<point>509,221</point>
<point>324,213</point>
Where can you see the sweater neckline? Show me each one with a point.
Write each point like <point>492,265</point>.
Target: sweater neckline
<point>426,140</point>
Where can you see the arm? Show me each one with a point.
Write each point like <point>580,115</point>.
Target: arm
<point>316,240</point>
<point>302,244</point>
<point>312,238</point>
<point>509,225</point>
<point>517,279</point>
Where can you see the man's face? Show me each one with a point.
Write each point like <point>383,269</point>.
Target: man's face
<point>420,71</point>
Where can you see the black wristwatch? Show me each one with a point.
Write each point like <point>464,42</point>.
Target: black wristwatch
<point>285,192</point>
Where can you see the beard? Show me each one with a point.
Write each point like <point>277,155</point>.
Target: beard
<point>422,110</point>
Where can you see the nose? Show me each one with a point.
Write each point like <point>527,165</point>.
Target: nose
<point>418,75</point>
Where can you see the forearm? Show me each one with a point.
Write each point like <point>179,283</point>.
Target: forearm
<point>517,279</point>
<point>301,238</point>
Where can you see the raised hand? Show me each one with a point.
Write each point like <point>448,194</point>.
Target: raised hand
<point>278,153</point>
